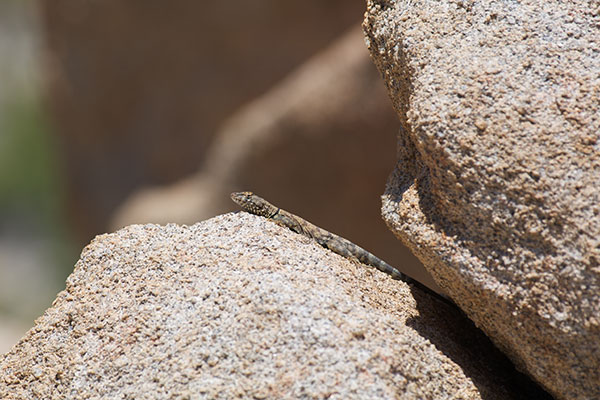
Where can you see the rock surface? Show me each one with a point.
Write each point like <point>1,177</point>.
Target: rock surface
<point>497,184</point>
<point>237,306</point>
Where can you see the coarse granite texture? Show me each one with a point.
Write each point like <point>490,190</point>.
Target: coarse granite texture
<point>238,306</point>
<point>497,185</point>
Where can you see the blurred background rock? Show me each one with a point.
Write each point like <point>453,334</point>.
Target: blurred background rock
<point>117,112</point>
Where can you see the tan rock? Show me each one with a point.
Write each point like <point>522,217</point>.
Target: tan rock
<point>237,306</point>
<point>497,184</point>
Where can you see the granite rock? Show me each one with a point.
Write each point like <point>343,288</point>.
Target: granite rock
<point>237,306</point>
<point>497,183</point>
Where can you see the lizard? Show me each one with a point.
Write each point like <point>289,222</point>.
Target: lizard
<point>254,204</point>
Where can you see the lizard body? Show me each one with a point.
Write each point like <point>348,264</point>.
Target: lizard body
<point>259,206</point>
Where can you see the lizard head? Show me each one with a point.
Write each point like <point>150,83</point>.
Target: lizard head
<point>254,204</point>
<point>242,198</point>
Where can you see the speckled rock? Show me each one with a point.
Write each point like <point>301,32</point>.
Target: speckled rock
<point>497,187</point>
<point>237,306</point>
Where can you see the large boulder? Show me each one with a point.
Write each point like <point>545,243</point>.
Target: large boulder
<point>497,185</point>
<point>238,307</point>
